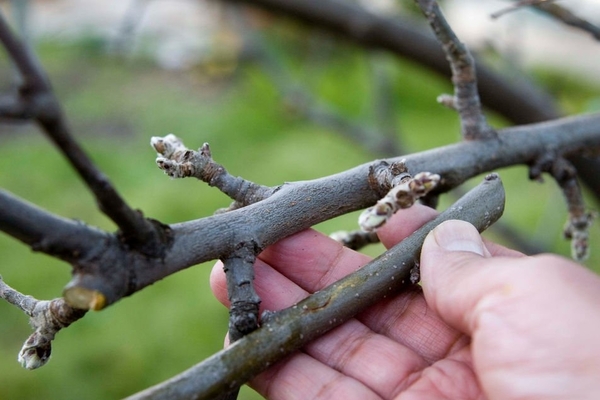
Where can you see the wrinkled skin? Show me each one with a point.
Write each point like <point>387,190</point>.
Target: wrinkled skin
<point>488,323</point>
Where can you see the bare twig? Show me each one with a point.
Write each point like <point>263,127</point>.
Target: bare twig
<point>179,162</point>
<point>556,11</point>
<point>105,270</point>
<point>516,6</point>
<point>59,237</point>
<point>285,331</point>
<point>466,96</point>
<point>579,221</point>
<point>46,318</point>
<point>36,100</point>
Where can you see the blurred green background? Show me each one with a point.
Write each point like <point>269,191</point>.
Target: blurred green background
<point>116,105</point>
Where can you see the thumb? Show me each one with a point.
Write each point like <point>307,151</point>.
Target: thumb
<point>452,257</point>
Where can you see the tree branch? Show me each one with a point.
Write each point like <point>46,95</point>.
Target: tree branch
<point>286,331</point>
<point>556,11</point>
<point>110,271</point>
<point>59,237</point>
<point>466,95</point>
<point>36,100</point>
<point>520,103</point>
<point>580,219</point>
<point>179,162</point>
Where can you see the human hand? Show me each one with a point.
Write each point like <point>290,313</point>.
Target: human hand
<point>402,348</point>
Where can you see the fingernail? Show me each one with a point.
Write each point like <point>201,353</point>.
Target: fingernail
<point>459,236</point>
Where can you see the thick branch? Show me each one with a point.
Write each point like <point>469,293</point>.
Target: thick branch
<point>36,100</point>
<point>59,237</point>
<point>300,205</point>
<point>286,331</point>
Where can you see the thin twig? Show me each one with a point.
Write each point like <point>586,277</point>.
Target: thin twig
<point>298,100</point>
<point>556,11</point>
<point>285,331</point>
<point>47,318</point>
<point>179,162</point>
<point>579,221</point>
<point>516,6</point>
<point>567,17</point>
<point>466,95</point>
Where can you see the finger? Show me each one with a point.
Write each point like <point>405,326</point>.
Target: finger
<point>314,261</point>
<point>302,377</point>
<point>404,223</point>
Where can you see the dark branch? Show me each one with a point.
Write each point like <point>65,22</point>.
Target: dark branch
<point>36,100</point>
<point>59,237</point>
<point>109,271</point>
<point>239,271</point>
<point>300,205</point>
<point>286,331</point>
<point>520,103</point>
<point>567,17</point>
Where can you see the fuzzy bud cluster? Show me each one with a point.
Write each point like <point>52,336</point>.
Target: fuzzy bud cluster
<point>400,196</point>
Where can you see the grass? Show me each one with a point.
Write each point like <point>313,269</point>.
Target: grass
<point>114,108</point>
